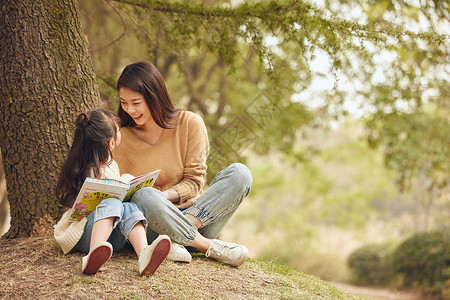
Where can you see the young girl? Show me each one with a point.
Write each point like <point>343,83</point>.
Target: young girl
<point>112,223</point>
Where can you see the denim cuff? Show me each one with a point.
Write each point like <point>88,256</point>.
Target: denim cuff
<point>128,224</point>
<point>200,214</point>
<point>189,238</point>
<point>107,211</point>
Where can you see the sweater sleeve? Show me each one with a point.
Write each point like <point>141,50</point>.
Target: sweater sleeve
<point>67,234</point>
<point>194,173</point>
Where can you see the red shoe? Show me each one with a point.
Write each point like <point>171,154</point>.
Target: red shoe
<point>96,258</point>
<point>153,255</point>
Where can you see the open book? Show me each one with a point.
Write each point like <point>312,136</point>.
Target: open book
<point>94,190</point>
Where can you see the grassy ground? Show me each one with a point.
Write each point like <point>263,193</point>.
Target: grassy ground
<point>36,268</point>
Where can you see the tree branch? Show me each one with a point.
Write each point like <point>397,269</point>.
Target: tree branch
<point>123,23</point>
<point>189,80</point>
<point>256,10</point>
<point>296,9</point>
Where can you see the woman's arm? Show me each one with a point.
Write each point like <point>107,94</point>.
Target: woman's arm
<point>194,173</point>
<point>172,195</point>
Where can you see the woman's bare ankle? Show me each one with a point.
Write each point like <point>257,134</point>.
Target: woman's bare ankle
<point>197,223</point>
<point>201,243</point>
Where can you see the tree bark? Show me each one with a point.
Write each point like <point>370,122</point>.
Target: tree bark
<point>46,77</point>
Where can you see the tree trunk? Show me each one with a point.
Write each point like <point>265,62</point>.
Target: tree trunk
<point>46,77</point>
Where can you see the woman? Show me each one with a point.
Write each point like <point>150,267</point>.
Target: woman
<point>156,135</point>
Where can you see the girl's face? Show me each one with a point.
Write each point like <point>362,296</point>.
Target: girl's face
<point>133,103</point>
<point>115,142</point>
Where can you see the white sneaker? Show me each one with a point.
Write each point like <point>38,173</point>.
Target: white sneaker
<point>153,255</point>
<point>96,258</point>
<point>179,253</point>
<point>229,253</point>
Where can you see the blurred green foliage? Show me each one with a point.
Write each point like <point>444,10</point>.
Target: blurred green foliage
<point>406,97</point>
<point>372,264</point>
<point>301,214</point>
<point>414,143</point>
<point>424,260</point>
<point>421,261</point>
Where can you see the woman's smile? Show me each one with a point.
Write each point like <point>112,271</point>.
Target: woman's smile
<point>134,104</point>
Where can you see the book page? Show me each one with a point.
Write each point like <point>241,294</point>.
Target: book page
<point>146,180</point>
<point>93,191</point>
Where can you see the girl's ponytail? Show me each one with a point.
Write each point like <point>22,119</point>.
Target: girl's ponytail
<point>83,120</point>
<point>90,150</point>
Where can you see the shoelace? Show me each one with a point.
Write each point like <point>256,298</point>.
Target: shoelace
<point>218,249</point>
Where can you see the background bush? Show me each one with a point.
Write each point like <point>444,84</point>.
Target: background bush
<point>372,264</point>
<point>424,261</point>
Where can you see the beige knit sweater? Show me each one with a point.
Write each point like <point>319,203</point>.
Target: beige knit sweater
<point>180,153</point>
<point>67,234</point>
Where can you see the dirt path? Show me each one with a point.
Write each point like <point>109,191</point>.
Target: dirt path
<point>374,293</point>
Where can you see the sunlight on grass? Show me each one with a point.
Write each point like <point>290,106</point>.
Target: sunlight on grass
<point>311,286</point>
<point>76,281</point>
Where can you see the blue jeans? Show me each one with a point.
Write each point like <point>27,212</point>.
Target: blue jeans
<point>127,215</point>
<point>213,208</point>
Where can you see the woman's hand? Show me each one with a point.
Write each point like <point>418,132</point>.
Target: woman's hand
<point>172,195</point>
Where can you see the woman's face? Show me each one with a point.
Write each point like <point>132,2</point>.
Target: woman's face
<point>133,103</point>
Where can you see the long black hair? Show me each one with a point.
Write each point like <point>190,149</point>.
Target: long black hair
<point>90,149</point>
<point>143,77</point>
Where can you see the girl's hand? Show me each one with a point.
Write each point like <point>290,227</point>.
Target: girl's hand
<point>126,177</point>
<point>172,195</point>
